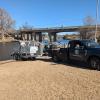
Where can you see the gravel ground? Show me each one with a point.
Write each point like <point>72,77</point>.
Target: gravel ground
<point>43,80</point>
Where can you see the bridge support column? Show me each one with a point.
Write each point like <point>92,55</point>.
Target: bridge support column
<point>32,36</point>
<point>23,35</point>
<point>38,36</point>
<point>52,36</point>
<point>27,36</point>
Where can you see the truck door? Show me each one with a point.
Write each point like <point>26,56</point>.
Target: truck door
<point>76,50</point>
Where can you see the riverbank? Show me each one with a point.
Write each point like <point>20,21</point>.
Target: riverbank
<point>7,48</point>
<point>45,80</point>
<point>7,39</point>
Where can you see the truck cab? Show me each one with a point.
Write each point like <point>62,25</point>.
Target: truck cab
<point>77,50</point>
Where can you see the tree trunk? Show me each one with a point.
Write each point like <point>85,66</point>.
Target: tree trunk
<point>2,36</point>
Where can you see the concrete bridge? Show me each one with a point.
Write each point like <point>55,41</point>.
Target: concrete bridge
<point>36,33</point>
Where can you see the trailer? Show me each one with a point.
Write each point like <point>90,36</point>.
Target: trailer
<point>28,50</point>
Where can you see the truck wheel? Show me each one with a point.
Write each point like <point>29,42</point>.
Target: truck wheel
<point>55,59</point>
<point>95,63</point>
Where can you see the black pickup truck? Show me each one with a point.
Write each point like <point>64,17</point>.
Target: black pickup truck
<point>79,50</point>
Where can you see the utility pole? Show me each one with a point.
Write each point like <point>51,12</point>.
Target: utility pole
<point>97,9</point>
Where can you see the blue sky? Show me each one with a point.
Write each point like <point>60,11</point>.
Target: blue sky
<point>50,13</point>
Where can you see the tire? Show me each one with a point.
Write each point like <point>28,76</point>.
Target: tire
<point>55,59</point>
<point>94,62</point>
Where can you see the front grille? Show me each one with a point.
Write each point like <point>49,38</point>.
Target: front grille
<point>24,54</point>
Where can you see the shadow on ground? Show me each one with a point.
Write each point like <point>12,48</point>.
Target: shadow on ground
<point>76,64</point>
<point>5,62</point>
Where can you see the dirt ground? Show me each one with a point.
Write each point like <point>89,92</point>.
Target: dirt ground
<point>43,80</point>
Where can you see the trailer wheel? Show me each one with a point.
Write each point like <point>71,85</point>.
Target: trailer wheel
<point>33,58</point>
<point>94,62</point>
<point>17,57</point>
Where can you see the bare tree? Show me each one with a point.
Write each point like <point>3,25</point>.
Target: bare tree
<point>89,33</point>
<point>88,20</point>
<point>26,26</point>
<point>6,22</point>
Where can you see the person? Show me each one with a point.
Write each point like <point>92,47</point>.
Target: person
<point>77,49</point>
<point>77,46</point>
<point>45,51</point>
<point>33,49</point>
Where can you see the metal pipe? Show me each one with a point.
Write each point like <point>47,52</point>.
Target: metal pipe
<point>97,8</point>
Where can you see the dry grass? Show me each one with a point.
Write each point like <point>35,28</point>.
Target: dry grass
<point>38,80</point>
<point>7,39</point>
